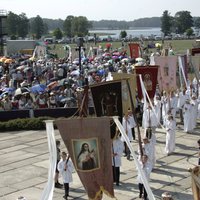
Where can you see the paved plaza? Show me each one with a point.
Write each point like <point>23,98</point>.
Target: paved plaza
<point>24,161</point>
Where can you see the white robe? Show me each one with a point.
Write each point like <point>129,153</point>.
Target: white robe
<point>147,171</point>
<point>66,174</point>
<point>188,125</point>
<point>117,148</point>
<point>170,136</point>
<point>127,127</point>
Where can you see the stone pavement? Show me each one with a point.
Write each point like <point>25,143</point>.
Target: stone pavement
<point>24,160</point>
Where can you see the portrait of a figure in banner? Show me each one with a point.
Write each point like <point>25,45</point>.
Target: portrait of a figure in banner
<point>86,154</point>
<point>148,82</point>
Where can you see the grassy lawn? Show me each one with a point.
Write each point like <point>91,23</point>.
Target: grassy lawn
<point>179,46</point>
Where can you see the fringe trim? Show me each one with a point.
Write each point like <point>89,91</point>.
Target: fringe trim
<point>99,194</point>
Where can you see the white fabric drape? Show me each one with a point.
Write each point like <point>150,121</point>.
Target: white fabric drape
<point>47,193</point>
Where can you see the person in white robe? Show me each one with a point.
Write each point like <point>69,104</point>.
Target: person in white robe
<point>165,106</point>
<point>132,122</point>
<point>157,107</point>
<point>147,171</point>
<point>194,111</point>
<point>147,150</point>
<point>65,167</point>
<point>173,100</point>
<point>181,101</point>
<point>128,130</point>
<point>170,135</point>
<point>187,115</point>
<point>117,152</point>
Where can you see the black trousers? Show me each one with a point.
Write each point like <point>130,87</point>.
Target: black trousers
<point>116,174</point>
<point>133,133</point>
<point>66,187</point>
<point>142,190</point>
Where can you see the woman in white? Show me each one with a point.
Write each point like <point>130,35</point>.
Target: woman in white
<point>170,135</point>
<point>187,115</point>
<point>157,107</point>
<point>117,151</point>
<point>65,167</point>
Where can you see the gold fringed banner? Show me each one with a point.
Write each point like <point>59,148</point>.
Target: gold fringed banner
<point>195,175</point>
<point>89,144</point>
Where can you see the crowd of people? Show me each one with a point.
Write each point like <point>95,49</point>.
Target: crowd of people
<point>60,83</point>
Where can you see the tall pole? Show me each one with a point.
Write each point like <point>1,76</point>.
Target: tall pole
<point>135,118</point>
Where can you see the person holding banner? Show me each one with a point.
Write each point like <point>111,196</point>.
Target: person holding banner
<point>65,167</point>
<point>127,127</point>
<point>147,170</point>
<point>117,151</point>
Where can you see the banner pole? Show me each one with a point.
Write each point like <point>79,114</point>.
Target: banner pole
<point>135,118</point>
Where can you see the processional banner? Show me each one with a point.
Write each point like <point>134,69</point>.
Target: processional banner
<point>167,72</point>
<point>89,145</point>
<point>134,50</point>
<point>149,77</point>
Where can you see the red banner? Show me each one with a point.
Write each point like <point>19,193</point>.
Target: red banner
<point>134,50</point>
<point>89,145</point>
<point>149,77</point>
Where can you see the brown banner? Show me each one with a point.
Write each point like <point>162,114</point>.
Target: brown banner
<point>89,144</point>
<point>107,97</point>
<point>149,77</point>
<point>134,50</point>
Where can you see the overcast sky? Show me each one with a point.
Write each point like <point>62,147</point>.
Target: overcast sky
<point>100,9</point>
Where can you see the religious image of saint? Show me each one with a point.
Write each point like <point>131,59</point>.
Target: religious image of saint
<point>109,104</point>
<point>86,154</point>
<point>148,82</point>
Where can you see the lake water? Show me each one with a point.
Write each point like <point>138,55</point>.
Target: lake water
<point>133,32</point>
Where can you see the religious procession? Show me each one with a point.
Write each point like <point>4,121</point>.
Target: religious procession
<point>132,95</point>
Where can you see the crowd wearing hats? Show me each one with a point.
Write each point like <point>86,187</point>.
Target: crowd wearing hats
<point>50,83</point>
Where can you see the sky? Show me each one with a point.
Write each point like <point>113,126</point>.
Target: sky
<point>127,10</point>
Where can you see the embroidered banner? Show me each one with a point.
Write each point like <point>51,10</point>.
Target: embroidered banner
<point>194,65</point>
<point>126,101</point>
<point>89,145</point>
<point>107,97</point>
<point>149,77</point>
<point>134,50</point>
<point>167,72</point>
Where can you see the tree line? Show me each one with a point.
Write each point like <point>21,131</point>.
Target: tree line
<point>21,26</point>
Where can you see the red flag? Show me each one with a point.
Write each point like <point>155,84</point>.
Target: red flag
<point>89,145</point>
<point>134,50</point>
<point>149,77</point>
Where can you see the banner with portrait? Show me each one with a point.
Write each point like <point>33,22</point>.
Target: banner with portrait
<point>167,71</point>
<point>126,98</point>
<point>134,50</point>
<point>149,77</point>
<point>89,145</point>
<point>107,98</point>
<point>194,65</point>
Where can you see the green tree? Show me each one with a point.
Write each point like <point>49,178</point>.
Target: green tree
<point>189,32</point>
<point>183,21</point>
<point>166,23</point>
<point>123,34</point>
<point>67,26</point>
<point>76,26</point>
<point>58,33</point>
<point>37,27</point>
<point>23,25</point>
<point>12,23</point>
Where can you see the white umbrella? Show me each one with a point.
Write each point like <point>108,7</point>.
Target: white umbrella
<point>75,73</point>
<point>22,90</point>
